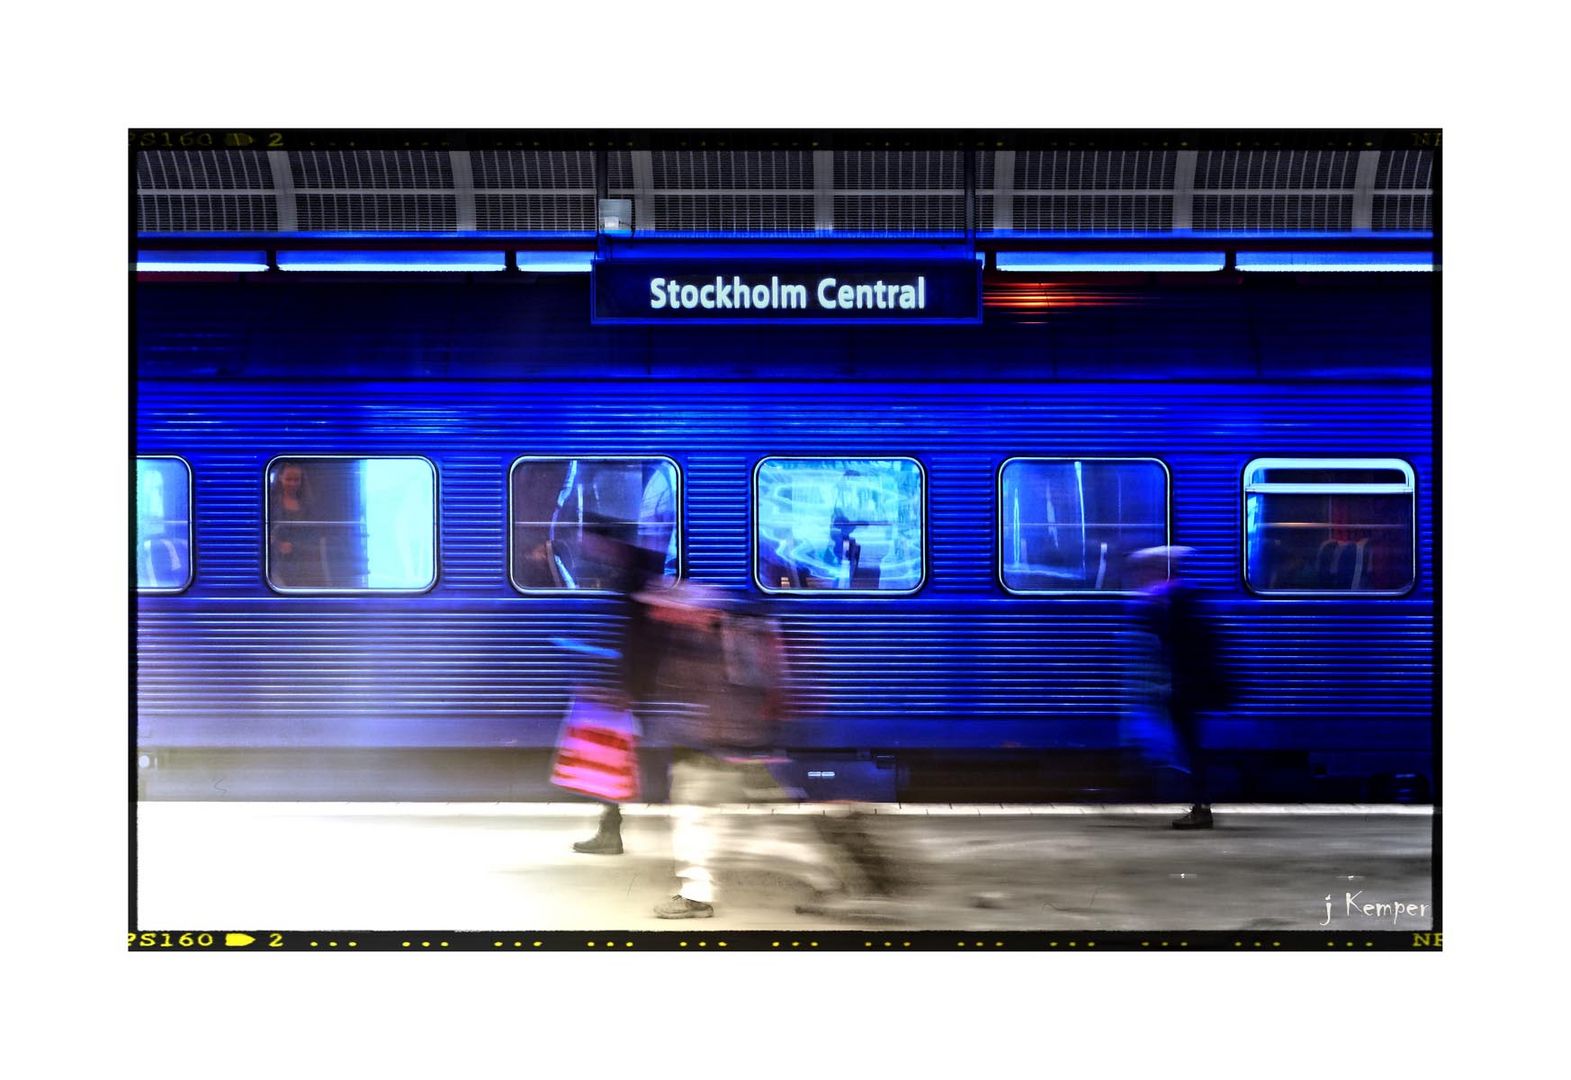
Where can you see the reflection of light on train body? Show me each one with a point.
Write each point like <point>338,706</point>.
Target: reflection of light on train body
<point>1027,298</point>
<point>397,516</point>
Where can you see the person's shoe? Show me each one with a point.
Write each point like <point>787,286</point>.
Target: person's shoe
<point>841,904</point>
<point>680,907</point>
<point>822,902</point>
<point>1198,818</point>
<point>600,844</point>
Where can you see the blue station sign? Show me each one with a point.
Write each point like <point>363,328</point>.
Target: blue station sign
<point>803,291</point>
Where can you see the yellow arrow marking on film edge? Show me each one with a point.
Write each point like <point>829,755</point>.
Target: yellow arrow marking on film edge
<point>238,939</point>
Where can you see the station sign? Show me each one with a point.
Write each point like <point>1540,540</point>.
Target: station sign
<point>652,290</point>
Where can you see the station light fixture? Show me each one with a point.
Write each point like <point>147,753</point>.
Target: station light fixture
<point>201,262</point>
<point>405,261</point>
<point>554,262</point>
<point>1298,262</point>
<point>1110,261</point>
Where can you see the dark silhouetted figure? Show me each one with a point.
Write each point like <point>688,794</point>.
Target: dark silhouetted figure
<point>1186,676</point>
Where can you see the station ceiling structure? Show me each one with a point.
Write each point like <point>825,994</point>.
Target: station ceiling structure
<point>997,194</point>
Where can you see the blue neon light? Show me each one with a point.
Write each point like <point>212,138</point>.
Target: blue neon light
<point>650,248</point>
<point>376,261</point>
<point>189,262</point>
<point>554,262</point>
<point>1105,261</point>
<point>1203,234</point>
<point>1334,261</point>
<point>508,235</point>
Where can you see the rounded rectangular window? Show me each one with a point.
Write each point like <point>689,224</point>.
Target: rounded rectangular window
<point>351,524</point>
<point>1069,525</point>
<point>594,524</point>
<point>1329,526</point>
<point>163,525</point>
<point>848,525</point>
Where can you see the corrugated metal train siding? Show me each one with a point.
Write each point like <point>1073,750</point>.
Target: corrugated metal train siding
<point>959,665</point>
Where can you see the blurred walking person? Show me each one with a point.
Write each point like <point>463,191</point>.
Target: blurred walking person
<point>630,568</point>
<point>723,668</point>
<point>1179,674</point>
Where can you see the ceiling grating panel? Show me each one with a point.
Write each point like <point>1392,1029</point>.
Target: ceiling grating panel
<point>619,168</point>
<point>900,214</point>
<point>785,192</point>
<point>1286,213</point>
<point>211,212</point>
<point>1093,213</point>
<point>198,170</point>
<point>764,213</point>
<point>534,170</point>
<point>1249,170</point>
<point>903,170</point>
<point>753,170</point>
<point>1401,213</point>
<point>545,212</point>
<point>393,212</point>
<point>1405,170</point>
<point>370,169</point>
<point>1086,170</point>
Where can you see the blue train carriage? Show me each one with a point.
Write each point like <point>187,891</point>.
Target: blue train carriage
<point>357,544</point>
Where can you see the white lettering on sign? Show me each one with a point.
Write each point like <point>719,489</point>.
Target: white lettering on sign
<point>739,295</point>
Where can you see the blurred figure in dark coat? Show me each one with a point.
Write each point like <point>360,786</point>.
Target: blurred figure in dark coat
<point>1182,675</point>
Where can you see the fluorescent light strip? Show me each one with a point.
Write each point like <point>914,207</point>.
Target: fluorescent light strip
<point>1110,261</point>
<point>394,261</point>
<point>200,262</point>
<point>1295,262</point>
<point>554,262</point>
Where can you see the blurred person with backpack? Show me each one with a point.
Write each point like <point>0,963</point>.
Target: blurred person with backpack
<point>724,671</point>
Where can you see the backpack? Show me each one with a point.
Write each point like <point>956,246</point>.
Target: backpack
<point>722,672</point>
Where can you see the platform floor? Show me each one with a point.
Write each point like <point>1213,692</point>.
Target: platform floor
<point>490,866</point>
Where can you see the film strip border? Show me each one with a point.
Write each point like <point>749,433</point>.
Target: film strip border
<point>883,940</point>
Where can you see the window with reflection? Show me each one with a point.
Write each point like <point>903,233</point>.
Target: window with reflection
<point>340,524</point>
<point>163,524</point>
<point>559,504</point>
<point>1329,525</point>
<point>846,524</point>
<point>1070,524</point>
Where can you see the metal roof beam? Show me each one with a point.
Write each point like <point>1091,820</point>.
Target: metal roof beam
<point>1003,191</point>
<point>1184,190</point>
<point>463,189</point>
<point>824,190</point>
<point>643,191</point>
<point>1364,191</point>
<point>283,190</point>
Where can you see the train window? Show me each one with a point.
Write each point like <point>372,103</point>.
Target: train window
<point>163,524</point>
<point>351,524</point>
<point>852,525</point>
<point>556,501</point>
<point>1068,525</point>
<point>1329,526</point>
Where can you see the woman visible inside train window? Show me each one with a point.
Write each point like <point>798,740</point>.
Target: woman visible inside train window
<point>1329,525</point>
<point>554,498</point>
<point>1069,524</point>
<point>163,524</point>
<point>351,524</point>
<point>850,525</point>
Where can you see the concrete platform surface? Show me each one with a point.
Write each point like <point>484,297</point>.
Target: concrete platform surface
<point>509,866</point>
